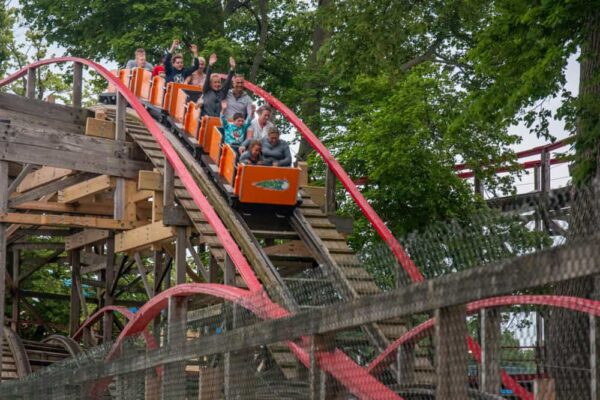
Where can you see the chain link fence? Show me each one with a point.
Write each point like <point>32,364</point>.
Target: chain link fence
<point>508,311</point>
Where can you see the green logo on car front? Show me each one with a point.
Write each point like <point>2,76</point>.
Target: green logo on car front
<point>279,185</point>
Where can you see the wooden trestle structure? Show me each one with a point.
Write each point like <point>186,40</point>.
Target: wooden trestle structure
<point>95,185</point>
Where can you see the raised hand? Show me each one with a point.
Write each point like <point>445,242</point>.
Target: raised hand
<point>174,45</point>
<point>212,60</point>
<point>223,104</point>
<point>231,62</point>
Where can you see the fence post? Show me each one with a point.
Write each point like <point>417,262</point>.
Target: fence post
<point>319,385</point>
<point>594,353</point>
<point>174,378</point>
<point>31,77</point>
<point>237,365</point>
<point>406,364</point>
<point>490,351</point>
<point>77,84</point>
<point>545,172</point>
<point>3,209</point>
<point>451,357</point>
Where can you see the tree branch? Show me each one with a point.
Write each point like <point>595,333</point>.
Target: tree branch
<point>426,56</point>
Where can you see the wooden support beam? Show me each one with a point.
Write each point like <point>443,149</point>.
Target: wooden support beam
<point>75,304</point>
<point>48,189</point>
<point>27,169</point>
<point>157,275</point>
<point>16,284</point>
<point>451,353</point>
<point>150,180</point>
<point>105,209</point>
<point>41,177</point>
<point>3,209</point>
<point>31,77</point>
<point>83,153</point>
<point>108,277</point>
<point>67,220</point>
<point>491,338</point>
<point>43,109</point>
<point>90,187</point>
<point>39,263</point>
<point>199,265</point>
<point>143,236</point>
<point>85,238</point>
<point>330,196</point>
<point>143,272</point>
<point>100,128</point>
<point>38,246</point>
<point>320,386</point>
<point>406,364</point>
<point>168,188</point>
<point>77,84</point>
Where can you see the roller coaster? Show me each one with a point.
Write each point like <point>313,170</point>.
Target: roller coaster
<point>263,242</point>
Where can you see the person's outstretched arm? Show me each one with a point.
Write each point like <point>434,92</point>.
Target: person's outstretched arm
<point>168,65</point>
<point>196,64</point>
<point>211,61</point>
<point>227,86</point>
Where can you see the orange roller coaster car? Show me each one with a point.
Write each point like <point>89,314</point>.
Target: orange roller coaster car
<point>174,104</point>
<point>259,184</point>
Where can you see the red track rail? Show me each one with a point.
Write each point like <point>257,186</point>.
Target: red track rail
<point>524,154</point>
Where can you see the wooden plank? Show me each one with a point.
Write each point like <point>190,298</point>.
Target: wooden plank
<point>42,109</point>
<point>143,272</point>
<point>48,189</point>
<point>143,236</point>
<point>27,169</point>
<point>95,185</point>
<point>84,238</point>
<point>67,220</point>
<point>77,84</point>
<point>150,180</point>
<point>89,258</point>
<point>77,208</point>
<point>100,128</point>
<point>41,177</point>
<point>71,151</point>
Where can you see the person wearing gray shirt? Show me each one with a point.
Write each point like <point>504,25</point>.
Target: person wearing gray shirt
<point>238,101</point>
<point>140,61</point>
<point>275,152</point>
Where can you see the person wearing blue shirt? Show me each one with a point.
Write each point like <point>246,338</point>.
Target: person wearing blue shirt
<point>235,131</point>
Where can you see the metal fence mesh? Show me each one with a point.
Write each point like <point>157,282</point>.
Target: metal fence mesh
<point>508,312</point>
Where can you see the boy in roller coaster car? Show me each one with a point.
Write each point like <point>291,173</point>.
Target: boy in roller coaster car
<point>235,131</point>
<point>276,152</point>
<point>253,156</point>
<point>174,70</point>
<point>213,91</point>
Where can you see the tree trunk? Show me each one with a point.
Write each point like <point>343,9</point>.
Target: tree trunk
<point>311,106</point>
<point>568,332</point>
<point>262,38</point>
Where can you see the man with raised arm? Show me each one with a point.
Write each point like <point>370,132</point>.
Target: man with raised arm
<point>214,92</point>
<point>139,61</point>
<point>238,101</point>
<point>174,70</point>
